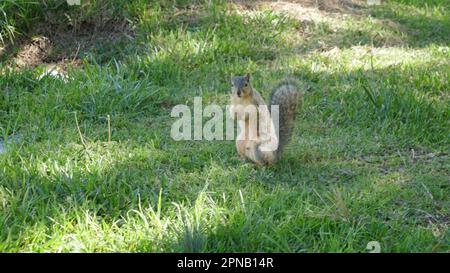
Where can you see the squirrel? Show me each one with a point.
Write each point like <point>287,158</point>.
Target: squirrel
<point>261,138</point>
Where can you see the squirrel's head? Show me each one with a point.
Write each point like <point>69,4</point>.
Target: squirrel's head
<point>241,86</point>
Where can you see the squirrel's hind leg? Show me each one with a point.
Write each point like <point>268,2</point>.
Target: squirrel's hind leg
<point>253,153</point>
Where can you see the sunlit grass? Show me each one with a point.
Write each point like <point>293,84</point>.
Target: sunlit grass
<point>368,160</point>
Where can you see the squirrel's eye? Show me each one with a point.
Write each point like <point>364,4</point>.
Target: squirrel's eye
<point>246,84</point>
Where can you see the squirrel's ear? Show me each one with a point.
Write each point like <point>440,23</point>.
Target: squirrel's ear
<point>247,77</point>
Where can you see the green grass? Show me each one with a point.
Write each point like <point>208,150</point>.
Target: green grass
<point>368,162</point>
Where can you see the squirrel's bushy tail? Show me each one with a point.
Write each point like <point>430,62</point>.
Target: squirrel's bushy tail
<point>287,96</point>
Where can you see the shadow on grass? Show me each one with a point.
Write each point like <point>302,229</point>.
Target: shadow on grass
<point>69,47</point>
<point>105,39</point>
<point>411,111</point>
<point>422,27</point>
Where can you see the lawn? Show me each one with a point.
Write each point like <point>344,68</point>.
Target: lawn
<point>87,163</point>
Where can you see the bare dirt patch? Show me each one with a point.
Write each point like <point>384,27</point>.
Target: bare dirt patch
<point>306,9</point>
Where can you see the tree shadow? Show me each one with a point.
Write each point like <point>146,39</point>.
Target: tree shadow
<point>65,47</point>
<point>61,36</point>
<point>422,27</point>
